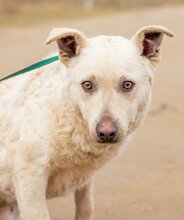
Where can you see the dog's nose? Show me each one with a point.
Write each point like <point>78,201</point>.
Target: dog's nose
<point>106,131</point>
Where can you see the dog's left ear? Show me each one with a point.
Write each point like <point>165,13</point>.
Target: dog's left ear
<point>148,40</point>
<point>69,41</point>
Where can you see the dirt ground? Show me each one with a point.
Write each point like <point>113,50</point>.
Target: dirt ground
<point>147,181</point>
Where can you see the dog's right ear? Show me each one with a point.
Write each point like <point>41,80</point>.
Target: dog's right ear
<point>69,41</point>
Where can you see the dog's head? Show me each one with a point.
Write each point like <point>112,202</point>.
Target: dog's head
<point>110,78</point>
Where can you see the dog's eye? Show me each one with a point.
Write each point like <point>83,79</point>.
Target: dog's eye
<point>87,86</point>
<point>127,86</point>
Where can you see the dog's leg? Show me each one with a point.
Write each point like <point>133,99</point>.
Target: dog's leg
<point>84,202</point>
<point>30,182</point>
<point>31,196</point>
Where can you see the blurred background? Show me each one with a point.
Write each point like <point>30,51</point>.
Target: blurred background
<point>29,11</point>
<point>147,181</point>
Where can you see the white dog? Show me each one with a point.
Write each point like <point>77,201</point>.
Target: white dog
<point>61,123</point>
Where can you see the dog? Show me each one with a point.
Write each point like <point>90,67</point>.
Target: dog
<point>59,124</point>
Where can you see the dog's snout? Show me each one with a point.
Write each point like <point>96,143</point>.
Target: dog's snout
<point>106,131</point>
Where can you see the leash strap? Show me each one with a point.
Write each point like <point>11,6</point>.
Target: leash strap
<point>32,67</point>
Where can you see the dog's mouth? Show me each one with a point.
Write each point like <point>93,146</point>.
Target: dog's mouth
<point>115,141</point>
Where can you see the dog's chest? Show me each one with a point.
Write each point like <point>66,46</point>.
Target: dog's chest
<point>68,178</point>
<point>65,180</point>
<point>72,167</point>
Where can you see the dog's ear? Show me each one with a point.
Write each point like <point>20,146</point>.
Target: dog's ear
<point>69,41</point>
<point>148,40</point>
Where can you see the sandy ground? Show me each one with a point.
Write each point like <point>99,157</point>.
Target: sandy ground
<point>147,181</point>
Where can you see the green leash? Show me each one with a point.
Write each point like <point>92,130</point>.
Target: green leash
<point>32,67</point>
